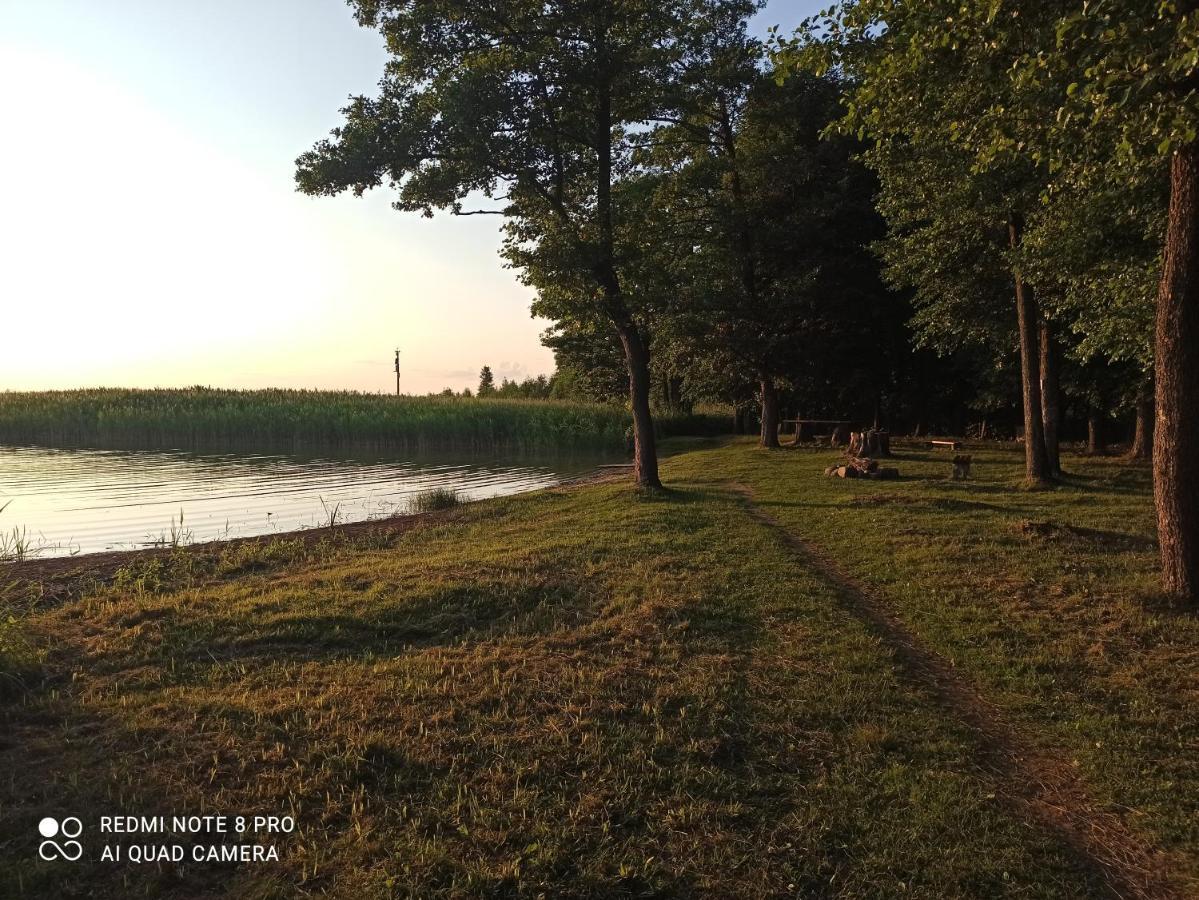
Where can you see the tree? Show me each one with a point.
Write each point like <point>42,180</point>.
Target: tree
<point>918,80</point>
<point>588,359</point>
<point>1130,71</point>
<point>486,382</point>
<point>1075,87</point>
<point>949,242</point>
<point>764,228</point>
<point>539,106</point>
<point>1095,250</point>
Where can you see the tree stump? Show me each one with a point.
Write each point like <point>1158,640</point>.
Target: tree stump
<point>961,467</point>
<point>875,444</point>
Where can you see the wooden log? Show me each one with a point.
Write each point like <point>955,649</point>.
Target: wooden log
<point>858,467</point>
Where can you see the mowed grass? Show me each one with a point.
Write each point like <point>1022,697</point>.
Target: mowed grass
<point>1046,600</point>
<point>600,692</point>
<point>285,418</point>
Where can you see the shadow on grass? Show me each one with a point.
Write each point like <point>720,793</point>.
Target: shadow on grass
<point>235,741</point>
<point>442,617</point>
<point>1124,482</point>
<point>1076,535</point>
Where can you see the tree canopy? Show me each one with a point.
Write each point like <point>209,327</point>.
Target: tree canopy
<point>930,214</point>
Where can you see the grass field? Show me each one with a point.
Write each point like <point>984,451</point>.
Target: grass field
<point>759,683</point>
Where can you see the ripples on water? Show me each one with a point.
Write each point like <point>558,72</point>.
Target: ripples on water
<point>83,501</point>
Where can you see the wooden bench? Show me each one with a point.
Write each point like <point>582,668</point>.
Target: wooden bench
<point>804,427</point>
<point>945,445</point>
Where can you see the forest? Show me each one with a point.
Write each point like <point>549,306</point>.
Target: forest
<point>968,218</point>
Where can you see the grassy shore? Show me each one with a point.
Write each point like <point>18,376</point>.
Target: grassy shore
<point>758,683</point>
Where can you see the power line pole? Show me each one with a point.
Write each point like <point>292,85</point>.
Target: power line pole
<point>397,371</point>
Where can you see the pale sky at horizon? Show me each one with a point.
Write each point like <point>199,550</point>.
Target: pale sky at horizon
<point>151,235</point>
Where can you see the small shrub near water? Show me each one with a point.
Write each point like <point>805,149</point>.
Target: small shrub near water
<point>434,499</point>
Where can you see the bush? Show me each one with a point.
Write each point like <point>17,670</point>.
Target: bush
<point>434,499</point>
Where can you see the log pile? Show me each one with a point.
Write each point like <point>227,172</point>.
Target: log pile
<point>872,444</point>
<point>861,467</point>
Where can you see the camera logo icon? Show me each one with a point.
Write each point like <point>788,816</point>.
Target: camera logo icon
<point>69,828</point>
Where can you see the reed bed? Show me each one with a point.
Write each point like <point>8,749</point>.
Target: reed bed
<point>206,417</point>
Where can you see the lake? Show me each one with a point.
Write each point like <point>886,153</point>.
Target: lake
<point>83,501</point>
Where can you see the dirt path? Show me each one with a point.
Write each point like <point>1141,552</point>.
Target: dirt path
<point>1039,785</point>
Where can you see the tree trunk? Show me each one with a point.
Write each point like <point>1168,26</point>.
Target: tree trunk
<point>1176,432</point>
<point>770,413</point>
<point>744,248</point>
<point>1036,463</point>
<point>1094,433</point>
<point>645,451</point>
<point>636,353</point>
<point>1051,397</point>
<point>1142,438</point>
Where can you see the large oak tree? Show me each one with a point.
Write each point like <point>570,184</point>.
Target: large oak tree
<point>534,109</point>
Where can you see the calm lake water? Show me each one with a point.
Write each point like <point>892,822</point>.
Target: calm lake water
<point>83,501</point>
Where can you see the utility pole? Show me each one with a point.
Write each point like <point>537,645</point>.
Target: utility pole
<point>397,371</point>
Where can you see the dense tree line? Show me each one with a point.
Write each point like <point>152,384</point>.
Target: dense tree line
<point>531,388</point>
<point>1073,127</point>
<point>929,215</point>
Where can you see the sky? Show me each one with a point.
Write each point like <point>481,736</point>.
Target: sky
<point>151,235</point>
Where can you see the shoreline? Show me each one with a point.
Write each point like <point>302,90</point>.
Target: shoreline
<point>57,575</point>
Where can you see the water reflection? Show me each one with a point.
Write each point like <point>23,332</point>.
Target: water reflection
<point>82,501</point>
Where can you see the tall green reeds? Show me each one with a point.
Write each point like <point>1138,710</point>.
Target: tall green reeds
<point>206,417</point>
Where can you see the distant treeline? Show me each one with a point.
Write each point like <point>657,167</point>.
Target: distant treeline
<point>563,384</point>
<point>207,417</point>
<point>540,387</point>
